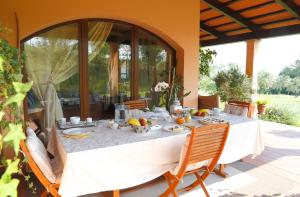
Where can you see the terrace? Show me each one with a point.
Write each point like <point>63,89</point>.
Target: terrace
<point>85,58</point>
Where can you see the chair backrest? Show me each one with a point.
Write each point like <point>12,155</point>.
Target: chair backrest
<point>208,102</point>
<point>206,143</point>
<point>248,105</point>
<point>136,104</point>
<point>36,170</point>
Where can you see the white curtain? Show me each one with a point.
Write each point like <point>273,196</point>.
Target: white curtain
<point>53,58</point>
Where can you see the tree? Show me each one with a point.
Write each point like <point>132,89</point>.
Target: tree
<point>233,85</point>
<point>292,71</point>
<point>206,59</point>
<point>265,82</point>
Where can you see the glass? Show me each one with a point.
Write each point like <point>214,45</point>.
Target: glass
<point>109,63</point>
<point>154,63</point>
<point>121,113</point>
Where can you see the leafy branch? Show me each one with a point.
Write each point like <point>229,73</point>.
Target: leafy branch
<point>12,94</point>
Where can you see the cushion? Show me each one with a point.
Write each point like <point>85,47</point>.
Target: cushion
<point>236,110</point>
<point>182,157</point>
<point>39,154</point>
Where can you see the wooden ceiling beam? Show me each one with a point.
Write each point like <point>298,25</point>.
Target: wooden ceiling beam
<point>290,6</point>
<point>256,6</point>
<point>281,31</point>
<point>211,30</point>
<point>235,16</point>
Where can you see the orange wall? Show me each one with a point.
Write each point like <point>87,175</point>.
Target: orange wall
<point>176,21</point>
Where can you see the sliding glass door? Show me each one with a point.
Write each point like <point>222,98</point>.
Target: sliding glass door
<point>84,67</point>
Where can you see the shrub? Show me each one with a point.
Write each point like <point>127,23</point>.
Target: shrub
<point>233,85</point>
<point>279,114</point>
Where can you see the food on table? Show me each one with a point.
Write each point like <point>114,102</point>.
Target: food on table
<point>143,121</point>
<point>180,120</point>
<point>134,122</point>
<point>202,112</point>
<point>188,118</point>
<point>177,129</point>
<point>193,112</point>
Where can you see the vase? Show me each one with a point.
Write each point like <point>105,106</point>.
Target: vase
<point>261,108</point>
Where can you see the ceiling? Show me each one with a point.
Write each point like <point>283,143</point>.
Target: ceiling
<point>226,21</point>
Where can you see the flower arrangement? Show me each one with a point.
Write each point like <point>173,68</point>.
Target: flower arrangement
<point>160,94</point>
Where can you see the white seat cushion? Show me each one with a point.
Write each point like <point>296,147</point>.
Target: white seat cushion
<point>236,110</point>
<point>182,156</point>
<point>39,154</point>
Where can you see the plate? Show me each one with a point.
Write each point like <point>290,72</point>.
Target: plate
<point>156,127</point>
<point>75,131</point>
<point>173,128</point>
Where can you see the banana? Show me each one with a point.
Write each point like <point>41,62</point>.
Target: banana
<point>134,122</point>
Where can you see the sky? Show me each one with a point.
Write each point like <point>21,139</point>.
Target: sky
<point>273,53</point>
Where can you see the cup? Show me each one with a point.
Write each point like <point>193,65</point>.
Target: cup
<point>63,121</point>
<point>89,120</point>
<point>75,119</point>
<point>216,111</point>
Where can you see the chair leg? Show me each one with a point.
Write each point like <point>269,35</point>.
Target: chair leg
<point>202,184</point>
<point>172,186</point>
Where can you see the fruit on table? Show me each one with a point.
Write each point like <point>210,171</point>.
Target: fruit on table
<point>180,120</point>
<point>143,121</point>
<point>134,122</point>
<point>202,112</point>
<point>193,112</point>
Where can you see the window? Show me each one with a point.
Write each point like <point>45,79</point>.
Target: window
<point>83,68</point>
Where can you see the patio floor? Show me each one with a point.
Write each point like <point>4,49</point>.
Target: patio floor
<point>276,172</point>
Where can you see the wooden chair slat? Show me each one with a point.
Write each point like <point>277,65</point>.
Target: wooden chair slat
<point>136,104</point>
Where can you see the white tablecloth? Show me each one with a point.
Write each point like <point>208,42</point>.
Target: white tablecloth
<point>117,159</point>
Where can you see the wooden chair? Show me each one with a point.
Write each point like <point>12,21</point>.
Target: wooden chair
<point>204,144</point>
<point>250,106</point>
<point>136,104</point>
<point>208,102</point>
<point>51,188</point>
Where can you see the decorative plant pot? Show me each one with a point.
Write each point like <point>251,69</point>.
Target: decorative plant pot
<point>261,108</point>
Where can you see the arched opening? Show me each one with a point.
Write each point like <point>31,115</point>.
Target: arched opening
<point>84,67</point>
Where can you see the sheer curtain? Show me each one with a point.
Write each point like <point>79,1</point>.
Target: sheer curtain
<point>52,58</point>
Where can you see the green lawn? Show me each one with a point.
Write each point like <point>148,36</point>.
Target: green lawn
<point>292,103</point>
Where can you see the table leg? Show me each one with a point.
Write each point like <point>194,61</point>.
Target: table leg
<point>221,171</point>
<point>116,193</point>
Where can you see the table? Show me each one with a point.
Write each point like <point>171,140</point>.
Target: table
<point>117,159</point>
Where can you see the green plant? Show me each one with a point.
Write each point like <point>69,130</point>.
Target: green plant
<point>262,102</point>
<point>12,94</point>
<point>176,90</point>
<point>233,85</point>
<point>206,59</point>
<point>279,114</point>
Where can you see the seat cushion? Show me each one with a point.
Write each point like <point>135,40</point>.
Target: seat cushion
<point>39,154</point>
<point>236,110</point>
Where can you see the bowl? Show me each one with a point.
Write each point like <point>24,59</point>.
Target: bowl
<point>142,129</point>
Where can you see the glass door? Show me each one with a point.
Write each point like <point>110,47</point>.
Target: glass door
<point>109,64</point>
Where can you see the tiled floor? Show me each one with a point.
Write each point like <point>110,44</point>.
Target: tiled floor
<point>276,172</point>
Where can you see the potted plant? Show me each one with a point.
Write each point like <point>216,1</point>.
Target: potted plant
<point>261,105</point>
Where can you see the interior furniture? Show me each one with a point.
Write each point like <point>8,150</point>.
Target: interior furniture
<point>50,188</point>
<point>124,159</point>
<point>208,102</point>
<point>199,156</point>
<point>136,104</point>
